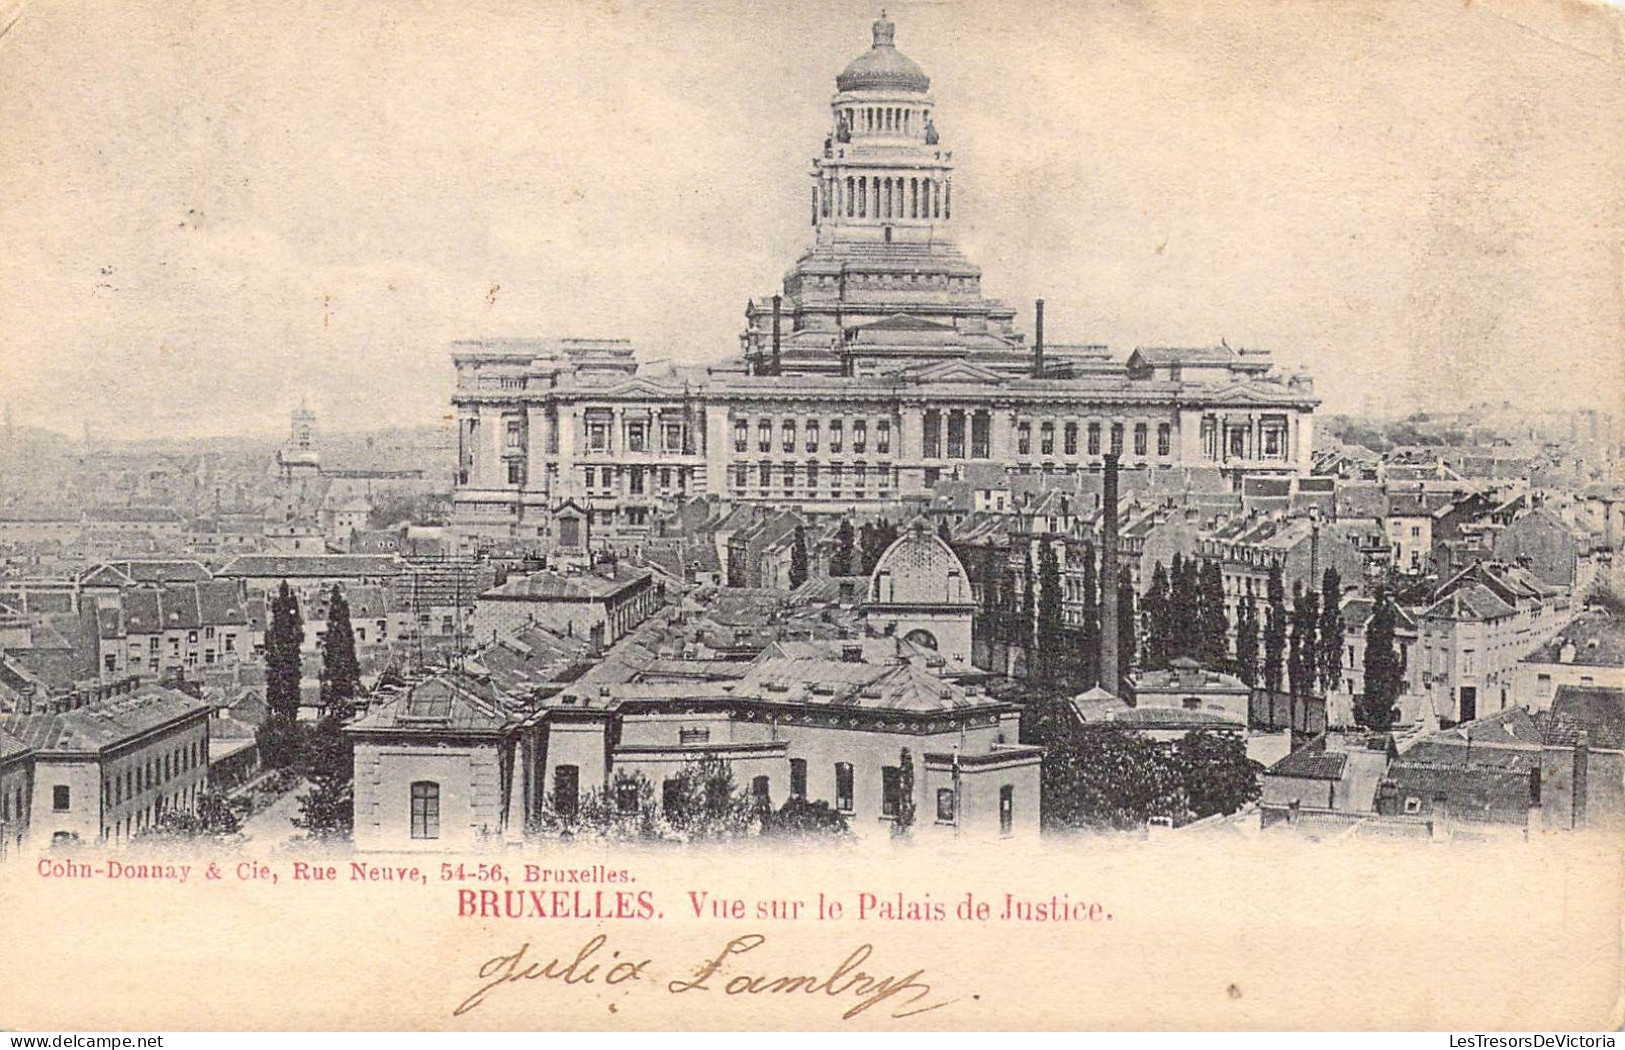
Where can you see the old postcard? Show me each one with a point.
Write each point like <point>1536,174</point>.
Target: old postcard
<point>526,515</point>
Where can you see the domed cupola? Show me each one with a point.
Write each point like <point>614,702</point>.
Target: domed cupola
<point>883,67</point>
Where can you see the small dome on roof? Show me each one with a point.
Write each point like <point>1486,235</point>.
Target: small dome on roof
<point>883,67</point>
<point>919,569</point>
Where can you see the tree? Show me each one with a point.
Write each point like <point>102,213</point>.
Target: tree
<point>1332,630</point>
<point>1214,621</point>
<point>213,818</point>
<point>1295,661</point>
<point>800,819</point>
<point>281,741</point>
<point>905,794</point>
<point>1125,625</point>
<point>1051,646</point>
<point>869,548</point>
<point>327,810</point>
<point>283,637</point>
<point>1029,613</point>
<point>944,533</point>
<point>1217,775</point>
<point>341,672</point>
<point>840,561</point>
<point>1159,624</point>
<point>1089,643</point>
<point>1106,777</point>
<point>702,802</point>
<point>798,557</point>
<point>1182,609</point>
<point>1247,641</point>
<point>1383,672</point>
<point>1274,630</point>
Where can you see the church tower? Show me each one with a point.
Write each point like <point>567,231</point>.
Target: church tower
<point>882,287</point>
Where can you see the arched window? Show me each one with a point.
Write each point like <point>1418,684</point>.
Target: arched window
<point>425,809</point>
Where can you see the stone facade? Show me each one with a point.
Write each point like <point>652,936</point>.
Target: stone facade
<point>878,370</point>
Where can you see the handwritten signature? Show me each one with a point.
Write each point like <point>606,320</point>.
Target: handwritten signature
<point>595,963</point>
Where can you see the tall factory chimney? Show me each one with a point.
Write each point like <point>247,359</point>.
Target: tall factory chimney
<point>1109,671</point>
<point>1038,339</point>
<point>776,361</point>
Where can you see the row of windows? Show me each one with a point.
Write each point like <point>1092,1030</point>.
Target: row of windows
<point>809,438</point>
<point>638,436</point>
<point>156,770</point>
<point>1092,435</point>
<point>567,786</point>
<point>638,479</point>
<point>834,474</point>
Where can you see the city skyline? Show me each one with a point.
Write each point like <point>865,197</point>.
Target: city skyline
<point>251,257</point>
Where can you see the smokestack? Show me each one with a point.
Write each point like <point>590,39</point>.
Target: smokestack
<point>1038,339</point>
<point>776,362</point>
<point>1109,675</point>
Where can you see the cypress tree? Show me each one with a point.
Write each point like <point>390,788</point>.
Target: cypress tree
<point>798,557</point>
<point>1215,622</point>
<point>1274,631</point>
<point>841,560</point>
<point>1159,628</point>
<point>283,637</point>
<point>341,671</point>
<point>1247,641</point>
<point>1029,612</point>
<point>1187,600</point>
<point>867,553</point>
<point>1089,658</point>
<point>1125,624</point>
<point>1050,647</point>
<point>1332,631</point>
<point>1383,674</point>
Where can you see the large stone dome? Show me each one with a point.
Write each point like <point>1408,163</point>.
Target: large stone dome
<point>919,569</point>
<point>883,67</point>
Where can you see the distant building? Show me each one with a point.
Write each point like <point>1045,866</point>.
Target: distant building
<point>1184,685</point>
<point>919,592</point>
<point>1590,651</point>
<point>597,606</point>
<point>108,771</point>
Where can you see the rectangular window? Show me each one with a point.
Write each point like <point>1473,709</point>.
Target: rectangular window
<point>765,474</point>
<point>843,786</point>
<point>789,478</point>
<point>761,791</point>
<point>980,440</point>
<point>835,435</point>
<point>1094,439</point>
<point>1070,438</point>
<point>788,430</point>
<point>636,436</point>
<point>597,436</point>
<point>741,476</point>
<point>1007,809</point>
<point>860,476</point>
<point>515,472</point>
<point>1140,444</point>
<point>860,435</point>
<point>512,434</point>
<point>1117,438</point>
<point>812,476</point>
<point>931,436</point>
<point>812,435</point>
<point>1024,438</point>
<point>674,437</point>
<point>883,437</point>
<point>741,435</point>
<point>945,805</point>
<point>1165,436</point>
<point>764,436</point>
<point>635,481</point>
<point>626,796</point>
<point>425,810</point>
<point>798,778</point>
<point>891,791</point>
<point>60,798</point>
<point>566,790</point>
<point>1046,438</point>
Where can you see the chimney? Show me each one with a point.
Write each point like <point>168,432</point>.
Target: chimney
<point>776,360</point>
<point>1582,769</point>
<point>1109,674</point>
<point>1038,339</point>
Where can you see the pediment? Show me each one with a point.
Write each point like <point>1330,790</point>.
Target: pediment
<point>955,372</point>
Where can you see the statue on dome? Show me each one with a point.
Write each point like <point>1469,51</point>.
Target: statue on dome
<point>843,130</point>
<point>930,132</point>
<point>829,149</point>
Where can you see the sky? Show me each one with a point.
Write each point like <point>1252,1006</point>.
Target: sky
<point>213,209</point>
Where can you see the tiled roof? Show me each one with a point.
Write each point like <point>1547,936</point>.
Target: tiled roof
<point>106,724</point>
<point>445,703</point>
<point>1473,602</point>
<point>1311,762</point>
<point>1471,793</point>
<point>1598,639</point>
<point>312,566</point>
<point>547,585</point>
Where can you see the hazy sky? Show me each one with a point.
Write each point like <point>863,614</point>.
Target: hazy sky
<point>210,209</point>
